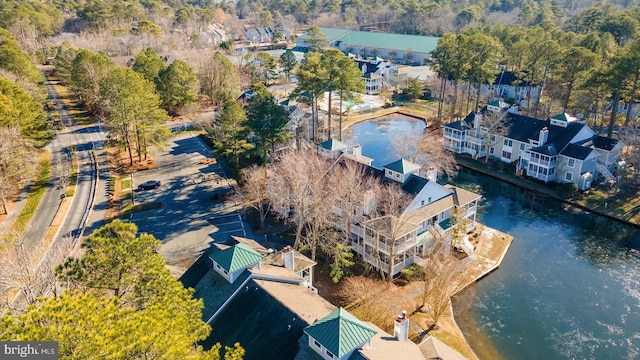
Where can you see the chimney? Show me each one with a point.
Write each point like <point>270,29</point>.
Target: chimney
<point>357,151</point>
<point>477,119</point>
<point>369,202</point>
<point>544,136</point>
<point>401,327</point>
<point>432,174</point>
<point>288,258</point>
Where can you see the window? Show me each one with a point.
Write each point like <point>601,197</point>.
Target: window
<point>329,354</point>
<point>397,176</point>
<point>492,150</point>
<point>568,176</point>
<point>508,142</point>
<point>506,155</point>
<point>571,163</point>
<point>522,146</point>
<point>317,344</point>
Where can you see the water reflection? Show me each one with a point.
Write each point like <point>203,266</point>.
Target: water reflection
<point>569,287</point>
<point>375,136</point>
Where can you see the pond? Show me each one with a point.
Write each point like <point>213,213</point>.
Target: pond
<point>376,136</point>
<point>569,287</point>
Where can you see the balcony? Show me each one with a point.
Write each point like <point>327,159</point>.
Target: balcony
<point>543,163</point>
<point>454,136</point>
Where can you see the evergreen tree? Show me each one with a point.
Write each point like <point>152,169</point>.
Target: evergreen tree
<point>267,119</point>
<point>149,64</point>
<point>177,85</point>
<point>288,63</point>
<point>230,132</point>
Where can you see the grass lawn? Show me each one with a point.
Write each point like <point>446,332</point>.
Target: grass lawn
<point>75,108</point>
<point>35,196</point>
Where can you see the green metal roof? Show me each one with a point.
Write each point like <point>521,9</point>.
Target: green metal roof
<point>333,145</point>
<point>498,103</point>
<point>236,257</point>
<point>402,166</point>
<point>340,332</point>
<point>562,117</point>
<point>381,40</point>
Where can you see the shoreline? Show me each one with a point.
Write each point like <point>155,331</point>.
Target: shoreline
<point>492,247</point>
<point>382,113</point>
<point>541,190</point>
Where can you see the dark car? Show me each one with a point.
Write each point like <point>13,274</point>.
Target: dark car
<point>148,185</point>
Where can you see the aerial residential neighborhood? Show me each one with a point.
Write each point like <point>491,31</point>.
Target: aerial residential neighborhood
<point>319,180</point>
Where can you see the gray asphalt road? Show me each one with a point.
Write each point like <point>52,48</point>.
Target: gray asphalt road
<point>190,219</point>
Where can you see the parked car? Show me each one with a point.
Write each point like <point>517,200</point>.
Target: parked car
<point>148,185</point>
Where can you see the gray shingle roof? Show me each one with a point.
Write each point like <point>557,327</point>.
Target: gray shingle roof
<point>604,143</point>
<point>576,151</point>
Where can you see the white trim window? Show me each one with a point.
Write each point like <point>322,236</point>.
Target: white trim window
<point>571,163</point>
<point>568,176</point>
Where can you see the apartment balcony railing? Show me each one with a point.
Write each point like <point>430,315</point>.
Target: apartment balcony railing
<point>540,162</point>
<point>454,136</point>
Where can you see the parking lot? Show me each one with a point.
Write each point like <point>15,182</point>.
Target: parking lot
<point>194,213</point>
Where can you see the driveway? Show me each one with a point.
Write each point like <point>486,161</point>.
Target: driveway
<point>193,215</point>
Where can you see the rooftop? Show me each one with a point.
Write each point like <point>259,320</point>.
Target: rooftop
<point>236,257</point>
<point>333,145</point>
<point>402,166</point>
<point>381,40</point>
<point>340,332</point>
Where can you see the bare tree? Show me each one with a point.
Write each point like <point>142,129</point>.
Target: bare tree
<point>390,227</point>
<point>16,162</point>
<point>426,150</point>
<point>630,136</point>
<point>297,188</point>
<point>254,191</point>
<point>28,272</point>
<point>493,127</point>
<point>377,301</point>
<point>440,284</point>
<point>350,184</point>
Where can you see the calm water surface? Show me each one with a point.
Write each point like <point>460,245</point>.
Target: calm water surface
<point>569,287</point>
<point>375,136</point>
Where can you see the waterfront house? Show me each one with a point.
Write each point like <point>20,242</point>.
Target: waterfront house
<point>560,149</point>
<point>392,242</point>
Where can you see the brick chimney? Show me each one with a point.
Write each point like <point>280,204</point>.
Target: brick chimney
<point>401,327</point>
<point>288,258</point>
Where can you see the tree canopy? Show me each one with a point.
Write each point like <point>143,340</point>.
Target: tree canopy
<point>122,303</point>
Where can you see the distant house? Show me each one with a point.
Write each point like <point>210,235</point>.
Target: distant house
<point>267,34</point>
<point>399,48</point>
<point>214,34</point>
<point>559,149</point>
<point>508,85</point>
<point>374,72</point>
